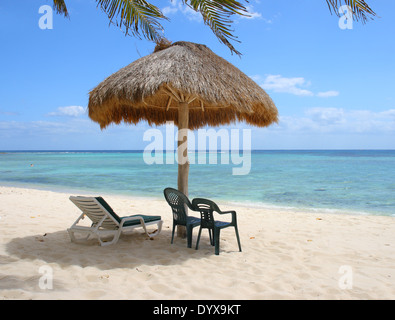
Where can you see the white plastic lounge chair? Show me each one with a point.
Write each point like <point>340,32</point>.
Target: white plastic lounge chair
<point>105,222</point>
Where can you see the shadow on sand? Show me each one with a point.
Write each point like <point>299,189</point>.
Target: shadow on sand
<point>131,251</point>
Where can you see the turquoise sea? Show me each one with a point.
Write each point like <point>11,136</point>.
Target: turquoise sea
<point>339,181</point>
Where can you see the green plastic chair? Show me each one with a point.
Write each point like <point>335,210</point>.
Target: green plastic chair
<point>177,201</point>
<point>207,209</point>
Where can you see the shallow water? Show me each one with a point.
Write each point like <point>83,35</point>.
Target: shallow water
<point>337,180</point>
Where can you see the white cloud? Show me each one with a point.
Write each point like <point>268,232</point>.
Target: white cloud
<point>8,113</point>
<point>252,14</point>
<point>169,10</point>
<point>296,86</point>
<point>278,83</point>
<point>69,133</point>
<point>328,94</point>
<point>177,6</point>
<point>338,120</point>
<point>389,113</point>
<point>326,116</point>
<point>314,128</point>
<point>71,111</point>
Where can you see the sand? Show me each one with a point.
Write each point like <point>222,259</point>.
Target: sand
<point>286,255</point>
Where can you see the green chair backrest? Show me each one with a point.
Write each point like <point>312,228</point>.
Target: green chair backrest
<point>206,208</point>
<point>178,202</point>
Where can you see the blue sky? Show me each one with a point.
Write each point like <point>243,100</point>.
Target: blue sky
<point>334,88</point>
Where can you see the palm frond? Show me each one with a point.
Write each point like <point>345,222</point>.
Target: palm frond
<point>139,17</point>
<point>60,7</point>
<point>217,15</point>
<point>361,10</point>
<point>136,16</point>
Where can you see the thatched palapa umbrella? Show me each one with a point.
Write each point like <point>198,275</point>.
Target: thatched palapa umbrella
<point>182,82</point>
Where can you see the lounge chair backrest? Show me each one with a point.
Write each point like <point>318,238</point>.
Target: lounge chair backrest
<point>177,201</point>
<point>97,209</point>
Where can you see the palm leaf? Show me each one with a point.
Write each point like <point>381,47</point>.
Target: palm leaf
<point>217,15</point>
<point>360,8</point>
<point>140,17</point>
<point>60,7</point>
<point>136,16</point>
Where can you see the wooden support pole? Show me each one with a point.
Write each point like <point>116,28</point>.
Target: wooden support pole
<point>182,153</point>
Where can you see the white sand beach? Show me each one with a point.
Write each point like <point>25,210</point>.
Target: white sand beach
<point>286,255</point>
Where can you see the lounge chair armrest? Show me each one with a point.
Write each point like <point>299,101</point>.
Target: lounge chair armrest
<point>81,217</point>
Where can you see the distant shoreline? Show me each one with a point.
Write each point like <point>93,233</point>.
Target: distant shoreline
<point>238,203</point>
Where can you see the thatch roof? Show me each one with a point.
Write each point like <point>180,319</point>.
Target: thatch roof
<point>151,88</point>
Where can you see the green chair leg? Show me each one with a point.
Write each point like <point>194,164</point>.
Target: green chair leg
<point>172,233</point>
<point>189,236</point>
<point>216,240</point>
<point>210,231</point>
<point>198,238</point>
<point>237,236</point>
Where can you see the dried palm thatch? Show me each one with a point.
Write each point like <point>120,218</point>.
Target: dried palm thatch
<point>153,87</point>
